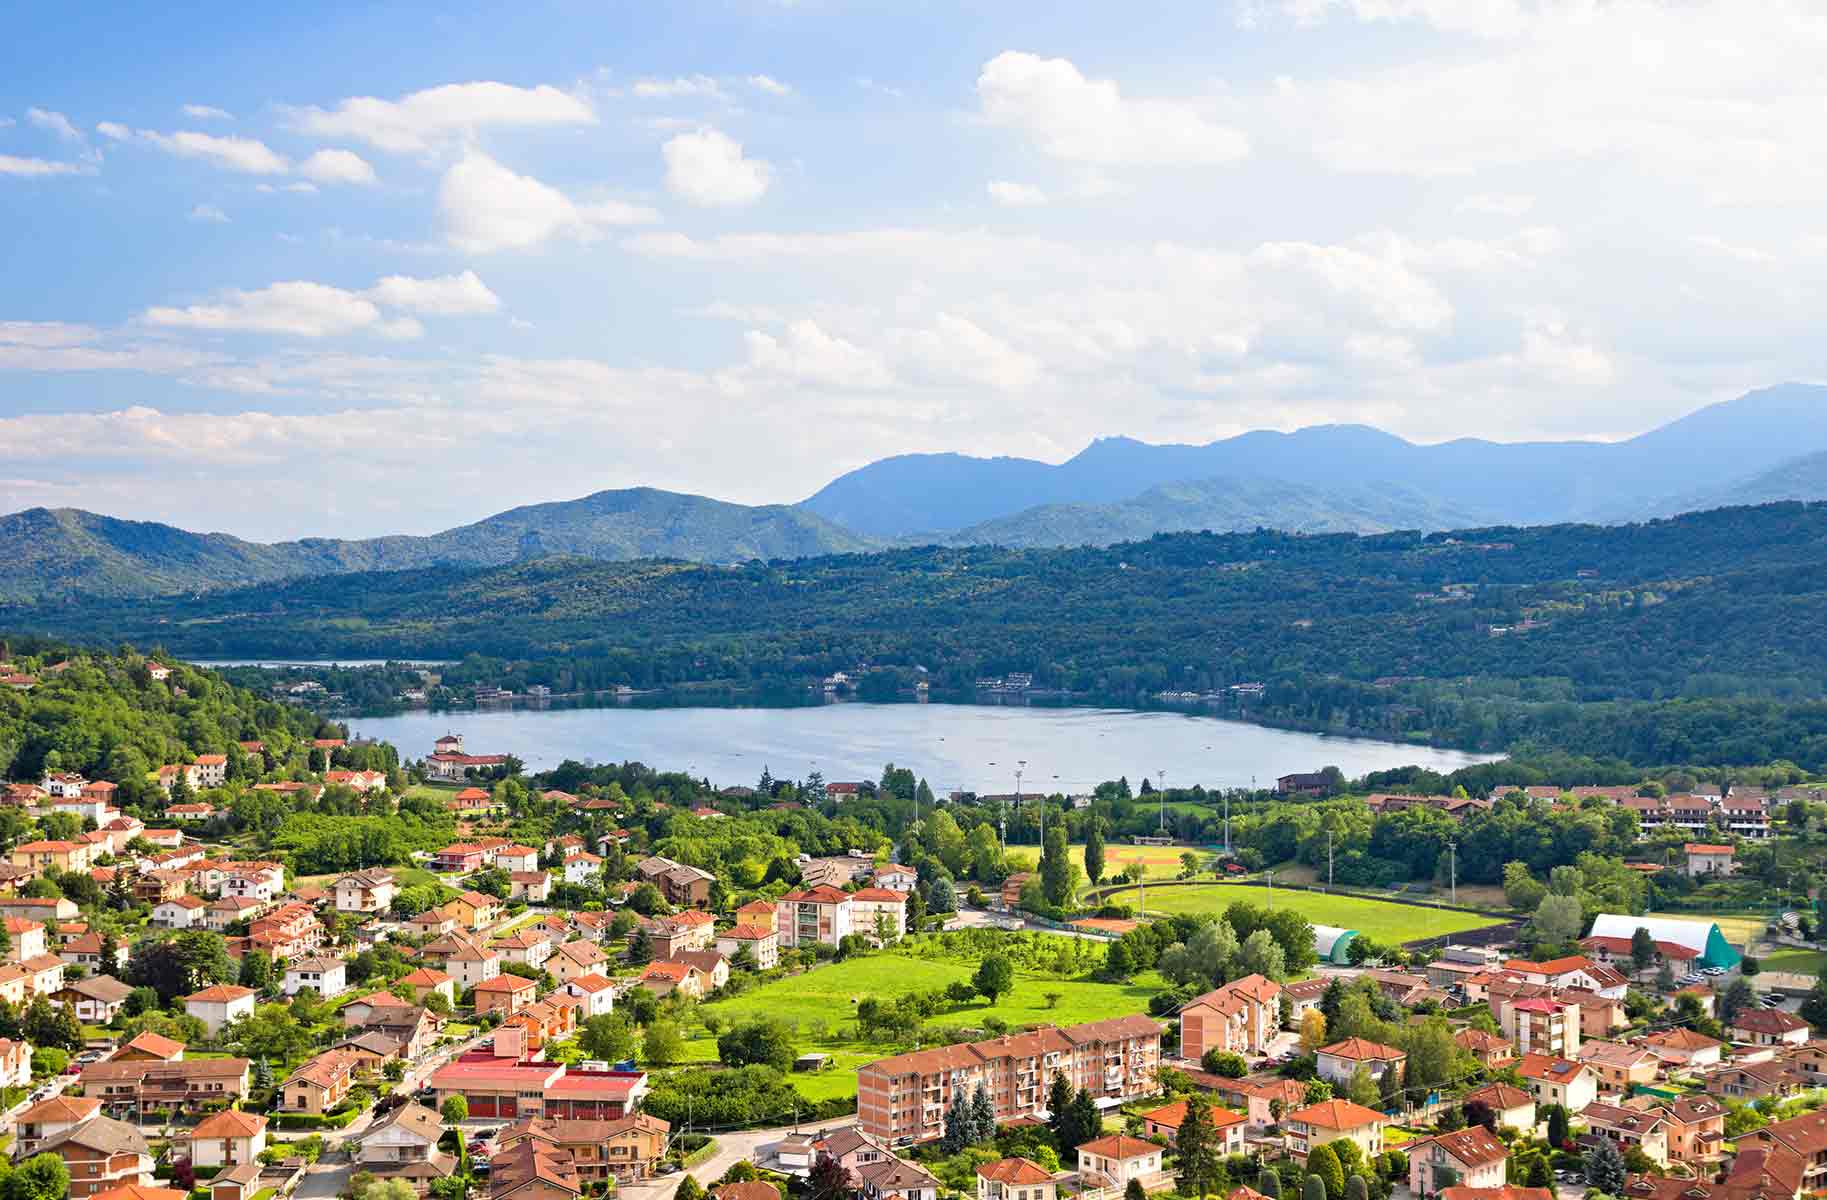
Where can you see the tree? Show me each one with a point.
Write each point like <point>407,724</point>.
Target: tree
<point>1356,1188</point>
<point>1262,955</point>
<point>1477,1112</point>
<point>40,1177</point>
<point>606,1037</point>
<point>1605,1169</point>
<point>828,1180</point>
<point>1059,1104</point>
<point>1313,1189</point>
<point>1558,919</point>
<point>689,1189</point>
<point>640,950</point>
<point>958,1128</point>
<point>1094,850</point>
<point>1749,966</point>
<point>995,977</point>
<point>1814,1006</point>
<point>454,1110</point>
<point>767,1040</point>
<point>1323,1163</point>
<point>1363,1088</point>
<point>1312,1031</point>
<point>1557,1126</point>
<point>1642,950</point>
<point>256,971</point>
<point>1196,1144</point>
<point>1737,998</point>
<point>1087,1120</point>
<point>1268,1183</point>
<point>187,962</point>
<point>1318,1092</point>
<point>942,897</point>
<point>1133,1190</point>
<point>1332,1002</point>
<point>983,1116</point>
<point>663,1044</point>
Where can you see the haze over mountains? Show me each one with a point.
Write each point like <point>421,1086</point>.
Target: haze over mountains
<point>1766,446</point>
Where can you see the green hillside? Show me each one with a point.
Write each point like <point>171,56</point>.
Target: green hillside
<point>53,553</point>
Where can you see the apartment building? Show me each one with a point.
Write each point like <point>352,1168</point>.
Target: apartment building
<point>902,1099</point>
<point>1548,1025</point>
<point>1241,1017</point>
<point>808,916</point>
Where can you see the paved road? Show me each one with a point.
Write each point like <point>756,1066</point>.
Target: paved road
<point>324,1181</point>
<point>732,1148</point>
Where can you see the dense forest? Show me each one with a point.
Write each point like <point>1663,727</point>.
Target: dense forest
<point>1694,639</point>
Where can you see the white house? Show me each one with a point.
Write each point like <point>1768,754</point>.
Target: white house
<point>365,891</point>
<point>595,994</point>
<point>328,975</point>
<point>181,912</point>
<point>227,1139</point>
<point>1114,1159</point>
<point>218,1005</point>
<point>583,868</point>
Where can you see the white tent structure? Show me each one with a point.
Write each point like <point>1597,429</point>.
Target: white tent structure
<point>1702,937</point>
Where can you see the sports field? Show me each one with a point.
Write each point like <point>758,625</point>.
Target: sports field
<point>1379,920</point>
<point>1160,862</point>
<point>829,994</point>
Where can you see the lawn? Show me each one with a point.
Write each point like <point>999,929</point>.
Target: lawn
<point>1157,861</point>
<point>829,994</point>
<point>1795,960</point>
<point>1379,920</point>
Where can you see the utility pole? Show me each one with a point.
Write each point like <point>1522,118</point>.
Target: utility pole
<point>1271,878</point>
<point>1227,822</point>
<point>1163,775</point>
<point>1329,860</point>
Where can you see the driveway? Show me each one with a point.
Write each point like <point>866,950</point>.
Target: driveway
<point>324,1181</point>
<point>732,1148</point>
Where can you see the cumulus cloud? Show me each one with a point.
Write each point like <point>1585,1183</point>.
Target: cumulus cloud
<point>1016,195</point>
<point>337,166</point>
<point>38,168</point>
<point>684,85</point>
<point>205,112</point>
<point>302,308</point>
<point>249,156</point>
<point>807,354</point>
<point>55,122</point>
<point>770,85</point>
<point>1080,120</point>
<point>707,168</point>
<point>420,119</point>
<point>444,295</point>
<point>488,207</point>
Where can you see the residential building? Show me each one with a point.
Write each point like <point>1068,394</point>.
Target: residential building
<point>1227,1126</point>
<point>101,1154</point>
<point>1469,1157</point>
<point>1644,1129</point>
<point>62,856</point>
<point>505,993</point>
<point>25,939</point>
<point>1576,971</point>
<point>226,1139</point>
<point>1340,1061</point>
<point>1113,1160</point>
<point>535,887</point>
<point>475,910</point>
<point>97,999</point>
<point>1489,1049</point>
<point>879,914</point>
<point>1559,1081</point>
<point>1804,1137</point>
<point>1749,1080</point>
<point>1767,1027</point>
<point>1539,1024</point>
<point>404,1145</point>
<point>1330,1120</point>
<point>1620,1067</point>
<point>528,947</point>
<point>218,1005</point>
<point>319,1084</point>
<point>1015,1179</point>
<point>594,995</point>
<point>131,1087</point>
<point>149,1047</point>
<point>681,886</point>
<point>328,975</point>
<point>663,977</point>
<point>896,1179</point>
<point>369,891</point>
<point>808,916</point>
<point>15,1063</point>
<point>464,959</point>
<point>1241,1017</point>
<point>577,958</point>
<point>1707,859</point>
<point>1511,1106</point>
<point>1696,1129</point>
<point>425,981</point>
<point>461,856</point>
<point>179,912</point>
<point>48,1118</point>
<point>761,940</point>
<point>626,1149</point>
<point>1683,1048</point>
<point>903,1098</point>
<point>711,965</point>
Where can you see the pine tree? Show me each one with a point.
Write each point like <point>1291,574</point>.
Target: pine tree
<point>1332,1002</point>
<point>1195,1144</point>
<point>1313,1189</point>
<point>1605,1169</point>
<point>689,1189</point>
<point>983,1116</point>
<point>1557,1126</point>
<point>640,951</point>
<point>110,953</point>
<point>958,1127</point>
<point>69,1027</point>
<point>1087,1122</point>
<point>1059,1104</point>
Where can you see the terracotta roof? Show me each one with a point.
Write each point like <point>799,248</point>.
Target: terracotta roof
<point>1542,1066</point>
<point>1172,1115</point>
<point>229,1123</point>
<point>1500,1096</point>
<point>748,1189</point>
<point>1119,1146</point>
<point>1508,1191</point>
<point>1554,966</point>
<point>1363,1049</point>
<point>1682,1039</point>
<point>1015,1170</point>
<point>59,1110</point>
<point>748,933</point>
<point>155,1044</point>
<point>1337,1114</point>
<point>1478,1041</point>
<point>139,1191</point>
<point>1773,1021</point>
<point>506,983</point>
<point>1474,1146</point>
<point>221,993</point>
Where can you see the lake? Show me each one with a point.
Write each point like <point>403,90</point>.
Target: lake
<point>959,747</point>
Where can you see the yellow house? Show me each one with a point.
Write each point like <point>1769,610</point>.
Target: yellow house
<point>475,910</point>
<point>65,856</point>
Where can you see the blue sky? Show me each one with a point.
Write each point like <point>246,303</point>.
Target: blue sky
<point>346,270</point>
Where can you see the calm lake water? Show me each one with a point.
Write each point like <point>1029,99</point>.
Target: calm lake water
<point>954,746</point>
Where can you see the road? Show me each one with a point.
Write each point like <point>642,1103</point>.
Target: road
<point>11,1115</point>
<point>732,1148</point>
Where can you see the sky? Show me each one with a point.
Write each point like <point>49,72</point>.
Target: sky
<point>345,270</point>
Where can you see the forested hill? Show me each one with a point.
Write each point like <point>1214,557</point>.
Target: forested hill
<point>50,554</point>
<point>1721,604</point>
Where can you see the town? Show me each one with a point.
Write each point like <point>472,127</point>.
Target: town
<point>276,960</point>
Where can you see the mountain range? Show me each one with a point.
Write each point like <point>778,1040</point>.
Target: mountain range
<point>1765,446</point>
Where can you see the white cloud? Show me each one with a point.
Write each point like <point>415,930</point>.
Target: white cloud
<point>298,185</point>
<point>56,122</point>
<point>1497,205</point>
<point>444,295</point>
<point>770,85</point>
<point>297,307</point>
<point>114,130</point>
<point>1016,195</point>
<point>684,85</point>
<point>707,168</point>
<point>488,207</point>
<point>209,213</point>
<point>37,168</point>
<point>337,166</point>
<point>250,156</point>
<point>416,121</point>
<point>807,354</point>
<point>205,112</point>
<point>1090,121</point>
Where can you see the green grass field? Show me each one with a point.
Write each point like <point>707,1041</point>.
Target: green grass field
<point>1797,961</point>
<point>829,994</point>
<point>1157,861</point>
<point>1378,920</point>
